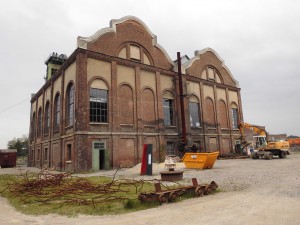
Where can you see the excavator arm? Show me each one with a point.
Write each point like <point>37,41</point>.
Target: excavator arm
<point>256,129</point>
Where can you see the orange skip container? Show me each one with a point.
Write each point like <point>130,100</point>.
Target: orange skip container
<point>200,160</point>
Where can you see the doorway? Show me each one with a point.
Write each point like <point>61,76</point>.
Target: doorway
<point>100,156</point>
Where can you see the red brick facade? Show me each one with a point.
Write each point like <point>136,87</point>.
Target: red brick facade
<point>137,73</point>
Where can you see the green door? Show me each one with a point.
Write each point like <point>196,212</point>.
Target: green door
<point>100,159</point>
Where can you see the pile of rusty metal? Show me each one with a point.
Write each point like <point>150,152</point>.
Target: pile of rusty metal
<point>170,195</point>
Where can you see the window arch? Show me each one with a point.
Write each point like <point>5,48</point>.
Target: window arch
<point>70,105</point>
<point>194,111</point>
<point>56,119</point>
<point>223,114</point>
<point>168,107</point>
<point>39,128</point>
<point>234,115</point>
<point>126,104</point>
<point>33,126</point>
<point>98,101</point>
<point>135,52</point>
<point>47,118</point>
<point>212,74</point>
<point>211,112</point>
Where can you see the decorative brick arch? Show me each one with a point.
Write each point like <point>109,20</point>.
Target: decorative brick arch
<point>126,104</point>
<point>223,118</point>
<point>148,105</point>
<point>210,115</point>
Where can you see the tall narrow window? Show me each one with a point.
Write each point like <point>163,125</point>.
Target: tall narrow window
<point>32,155</point>
<point>47,118</point>
<point>210,116</point>
<point>234,113</point>
<point>168,112</point>
<point>33,126</point>
<point>126,105</point>
<point>223,114</point>
<point>56,115</point>
<point>70,105</point>
<point>39,129</point>
<point>38,154</point>
<point>98,105</point>
<point>148,104</point>
<point>69,152</point>
<point>194,112</point>
<point>46,154</point>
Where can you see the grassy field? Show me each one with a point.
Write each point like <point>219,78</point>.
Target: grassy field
<point>35,194</point>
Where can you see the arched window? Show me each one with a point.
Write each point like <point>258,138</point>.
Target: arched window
<point>70,105</point>
<point>194,111</point>
<point>234,114</point>
<point>56,121</point>
<point>168,106</point>
<point>132,51</point>
<point>39,128</point>
<point>33,126</point>
<point>126,104</point>
<point>47,118</point>
<point>210,117</point>
<point>98,102</point>
<point>223,114</point>
<point>212,74</point>
<point>148,104</point>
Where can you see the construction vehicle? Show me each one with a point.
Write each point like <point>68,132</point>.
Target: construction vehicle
<point>294,141</point>
<point>258,146</point>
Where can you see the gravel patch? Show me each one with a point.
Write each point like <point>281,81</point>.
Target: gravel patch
<point>252,192</point>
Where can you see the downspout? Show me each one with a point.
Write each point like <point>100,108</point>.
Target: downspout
<point>181,100</point>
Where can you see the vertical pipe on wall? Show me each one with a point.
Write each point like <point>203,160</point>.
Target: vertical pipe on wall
<point>181,99</point>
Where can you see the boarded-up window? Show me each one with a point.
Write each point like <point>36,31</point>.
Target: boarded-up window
<point>125,105</point>
<point>33,126</point>
<point>148,104</point>
<point>146,60</point>
<point>210,115</point>
<point>223,114</point>
<point>211,74</point>
<point>47,118</point>
<point>213,144</point>
<point>39,129</point>
<point>123,53</point>
<point>225,148</point>
<point>135,52</point>
<point>126,155</point>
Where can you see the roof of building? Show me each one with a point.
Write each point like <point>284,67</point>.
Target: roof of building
<point>8,150</point>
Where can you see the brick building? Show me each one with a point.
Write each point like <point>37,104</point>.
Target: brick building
<point>119,90</point>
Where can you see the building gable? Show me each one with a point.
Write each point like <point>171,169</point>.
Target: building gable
<point>207,64</point>
<point>131,32</point>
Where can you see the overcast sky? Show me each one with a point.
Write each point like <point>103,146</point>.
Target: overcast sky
<point>258,40</point>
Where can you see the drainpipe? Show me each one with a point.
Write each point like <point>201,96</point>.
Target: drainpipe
<point>181,99</point>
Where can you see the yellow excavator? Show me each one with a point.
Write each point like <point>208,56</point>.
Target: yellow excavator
<point>259,146</point>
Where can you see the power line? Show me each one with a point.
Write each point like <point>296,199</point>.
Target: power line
<point>3,110</point>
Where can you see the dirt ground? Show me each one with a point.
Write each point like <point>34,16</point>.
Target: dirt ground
<point>253,192</point>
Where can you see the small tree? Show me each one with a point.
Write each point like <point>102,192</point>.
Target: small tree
<point>20,144</point>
